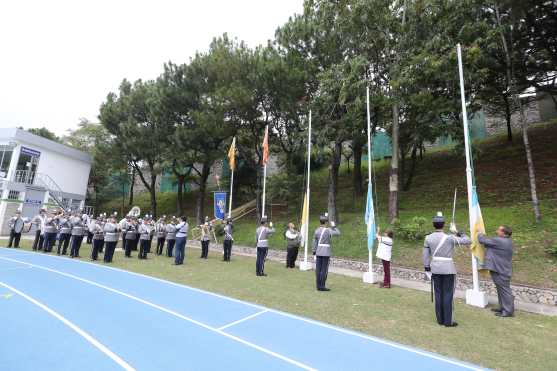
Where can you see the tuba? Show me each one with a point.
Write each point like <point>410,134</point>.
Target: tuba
<point>135,211</point>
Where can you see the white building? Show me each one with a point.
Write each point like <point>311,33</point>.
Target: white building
<point>36,172</point>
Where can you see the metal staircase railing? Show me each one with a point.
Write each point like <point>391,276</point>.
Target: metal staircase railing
<point>54,190</point>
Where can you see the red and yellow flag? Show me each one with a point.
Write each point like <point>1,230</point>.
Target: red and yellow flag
<point>232,155</point>
<point>265,158</point>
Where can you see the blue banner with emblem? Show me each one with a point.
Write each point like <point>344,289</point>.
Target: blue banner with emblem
<point>220,205</point>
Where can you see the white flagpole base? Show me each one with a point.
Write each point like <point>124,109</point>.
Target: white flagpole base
<point>370,277</point>
<point>476,298</point>
<point>306,266</point>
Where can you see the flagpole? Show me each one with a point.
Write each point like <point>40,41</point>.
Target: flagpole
<point>369,277</point>
<point>264,173</point>
<point>304,266</point>
<point>473,296</point>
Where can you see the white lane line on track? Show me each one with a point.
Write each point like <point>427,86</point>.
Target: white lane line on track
<point>243,319</point>
<point>171,312</point>
<point>97,344</point>
<point>15,268</point>
<point>293,316</point>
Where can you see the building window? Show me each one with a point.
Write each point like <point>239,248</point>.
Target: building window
<point>5,159</point>
<point>13,195</point>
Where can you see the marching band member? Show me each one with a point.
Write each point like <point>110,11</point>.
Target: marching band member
<point>322,249</point>
<point>131,237</point>
<point>39,221</point>
<point>181,238</point>
<point>262,234</point>
<point>145,231</point>
<point>65,229</point>
<point>16,225</point>
<point>123,224</point>
<point>111,235</point>
<point>206,230</point>
<point>170,236</point>
<point>160,229</point>
<point>228,239</point>
<point>77,235</point>
<point>98,236</point>
<point>50,231</point>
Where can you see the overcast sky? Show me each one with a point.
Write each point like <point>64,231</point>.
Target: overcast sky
<point>59,59</point>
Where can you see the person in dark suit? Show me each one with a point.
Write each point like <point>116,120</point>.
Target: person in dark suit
<point>499,261</point>
<point>16,225</point>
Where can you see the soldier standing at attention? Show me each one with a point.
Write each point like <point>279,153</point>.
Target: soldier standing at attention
<point>160,229</point>
<point>262,237</point>
<point>206,229</point>
<point>98,237</point>
<point>499,261</point>
<point>322,250</point>
<point>39,221</point>
<point>77,235</point>
<point>438,259</point>
<point>228,239</point>
<point>65,228</point>
<point>16,227</point>
<point>131,237</point>
<point>111,236</point>
<point>181,238</point>
<point>170,236</point>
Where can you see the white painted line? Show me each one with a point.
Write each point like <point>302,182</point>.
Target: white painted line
<point>243,319</point>
<point>313,322</point>
<point>15,268</point>
<point>171,312</point>
<point>74,327</point>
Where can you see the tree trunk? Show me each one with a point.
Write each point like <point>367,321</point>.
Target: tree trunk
<point>132,184</point>
<point>393,173</point>
<point>200,208</point>
<point>411,171</point>
<point>357,175</point>
<point>333,182</point>
<point>508,117</point>
<point>153,192</point>
<point>180,179</point>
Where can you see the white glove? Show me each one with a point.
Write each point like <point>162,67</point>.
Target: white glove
<point>453,228</point>
<point>333,224</point>
<point>271,224</point>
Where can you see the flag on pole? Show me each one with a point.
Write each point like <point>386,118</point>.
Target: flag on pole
<point>477,226</point>
<point>304,227</point>
<point>232,155</point>
<point>370,218</point>
<point>265,158</point>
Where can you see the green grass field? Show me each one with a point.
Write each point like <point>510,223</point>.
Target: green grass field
<point>526,342</point>
<point>502,181</point>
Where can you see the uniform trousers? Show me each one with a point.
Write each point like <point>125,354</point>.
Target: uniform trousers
<point>160,245</point>
<point>89,237</point>
<point>321,271</point>
<point>14,238</point>
<point>144,247</point>
<point>136,242</point>
<point>227,247</point>
<point>39,240</point>
<point>63,243</point>
<point>443,286</point>
<point>386,273</point>
<point>49,241</point>
<point>204,249</point>
<point>170,247</point>
<point>291,256</point>
<point>179,250</point>
<point>76,245</point>
<point>124,241</point>
<point>130,245</point>
<point>260,263</point>
<point>110,246</point>
<point>504,292</point>
<point>97,246</point>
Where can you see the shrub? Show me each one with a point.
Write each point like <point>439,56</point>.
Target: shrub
<point>414,230</point>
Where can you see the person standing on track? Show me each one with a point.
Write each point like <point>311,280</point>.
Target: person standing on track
<point>16,225</point>
<point>293,239</point>
<point>262,234</point>
<point>170,237</point>
<point>206,230</point>
<point>322,250</point>
<point>438,259</point>
<point>181,238</point>
<point>111,235</point>
<point>228,239</point>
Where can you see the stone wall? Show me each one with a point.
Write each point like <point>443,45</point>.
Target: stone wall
<point>496,124</point>
<point>523,293</point>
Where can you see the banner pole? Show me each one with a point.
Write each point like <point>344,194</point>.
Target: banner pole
<point>304,266</point>
<point>369,277</point>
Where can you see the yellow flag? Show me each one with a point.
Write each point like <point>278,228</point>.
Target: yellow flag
<point>232,155</point>
<point>305,218</point>
<point>477,227</point>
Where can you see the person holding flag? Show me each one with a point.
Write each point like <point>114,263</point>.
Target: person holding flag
<point>322,250</point>
<point>262,234</point>
<point>438,259</point>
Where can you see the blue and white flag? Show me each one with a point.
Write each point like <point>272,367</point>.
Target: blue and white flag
<point>370,218</point>
<point>220,205</point>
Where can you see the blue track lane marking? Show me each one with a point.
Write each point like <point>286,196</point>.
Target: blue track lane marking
<point>265,327</point>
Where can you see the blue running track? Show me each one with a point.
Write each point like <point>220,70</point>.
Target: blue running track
<point>62,314</point>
